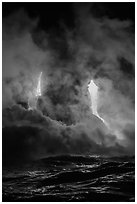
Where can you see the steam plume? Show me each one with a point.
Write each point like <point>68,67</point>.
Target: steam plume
<point>101,49</point>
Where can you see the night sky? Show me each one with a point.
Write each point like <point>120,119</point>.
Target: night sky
<point>53,13</point>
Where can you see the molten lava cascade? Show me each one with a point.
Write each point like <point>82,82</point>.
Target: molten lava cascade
<point>32,102</point>
<point>93,91</point>
<point>38,91</point>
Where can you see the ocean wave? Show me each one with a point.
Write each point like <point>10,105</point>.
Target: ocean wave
<point>71,178</point>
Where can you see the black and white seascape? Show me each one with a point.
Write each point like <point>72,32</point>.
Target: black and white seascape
<point>68,102</point>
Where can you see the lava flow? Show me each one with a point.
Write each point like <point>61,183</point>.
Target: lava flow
<point>38,91</point>
<point>32,102</point>
<point>93,91</point>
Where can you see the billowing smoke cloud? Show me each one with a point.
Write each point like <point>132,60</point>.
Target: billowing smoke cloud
<point>30,135</point>
<point>22,59</point>
<point>101,49</point>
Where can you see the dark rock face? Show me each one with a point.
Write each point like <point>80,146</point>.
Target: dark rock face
<point>23,104</point>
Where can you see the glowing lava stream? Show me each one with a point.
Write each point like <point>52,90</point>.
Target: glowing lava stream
<point>32,102</point>
<point>38,91</point>
<point>93,90</point>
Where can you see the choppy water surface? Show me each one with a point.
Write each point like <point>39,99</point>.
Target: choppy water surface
<point>71,178</point>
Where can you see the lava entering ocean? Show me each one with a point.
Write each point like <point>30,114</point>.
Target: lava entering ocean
<point>62,138</point>
<point>79,118</point>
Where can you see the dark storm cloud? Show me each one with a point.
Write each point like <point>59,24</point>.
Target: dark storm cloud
<point>98,48</point>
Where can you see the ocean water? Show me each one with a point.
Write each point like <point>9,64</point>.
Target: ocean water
<point>71,178</point>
